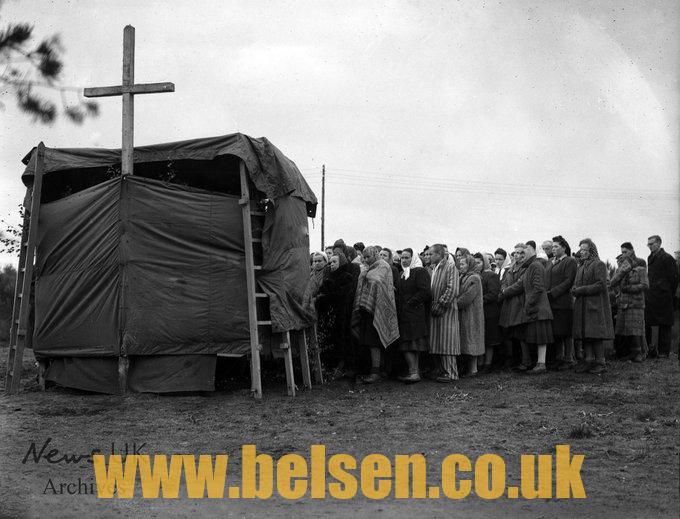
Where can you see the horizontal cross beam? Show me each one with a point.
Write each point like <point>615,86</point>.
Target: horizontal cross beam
<point>145,88</point>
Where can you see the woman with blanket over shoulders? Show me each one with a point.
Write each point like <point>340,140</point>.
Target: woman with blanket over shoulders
<point>374,315</point>
<point>470,311</point>
<point>413,310</point>
<point>444,326</point>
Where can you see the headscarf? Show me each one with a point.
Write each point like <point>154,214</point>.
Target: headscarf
<point>415,262</point>
<point>473,268</point>
<point>592,247</point>
<point>486,264</point>
<point>316,278</point>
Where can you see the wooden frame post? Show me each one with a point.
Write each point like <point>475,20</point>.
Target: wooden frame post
<point>255,375</point>
<point>22,289</point>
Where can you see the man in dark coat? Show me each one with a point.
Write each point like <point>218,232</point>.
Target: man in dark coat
<point>663,280</point>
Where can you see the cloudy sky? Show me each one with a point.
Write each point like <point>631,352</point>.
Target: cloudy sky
<point>471,123</point>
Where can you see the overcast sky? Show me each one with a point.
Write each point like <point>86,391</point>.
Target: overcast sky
<point>470,123</point>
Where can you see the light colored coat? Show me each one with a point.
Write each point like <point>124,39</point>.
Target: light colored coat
<point>444,325</point>
<point>471,315</point>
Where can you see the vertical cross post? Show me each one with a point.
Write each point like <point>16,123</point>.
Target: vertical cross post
<point>127,163</point>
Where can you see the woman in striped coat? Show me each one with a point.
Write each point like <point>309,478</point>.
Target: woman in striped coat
<point>444,325</point>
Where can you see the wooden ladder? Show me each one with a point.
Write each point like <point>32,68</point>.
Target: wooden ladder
<point>22,289</point>
<point>253,295</point>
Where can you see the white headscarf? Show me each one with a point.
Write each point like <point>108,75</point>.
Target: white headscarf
<point>322,254</point>
<point>415,262</point>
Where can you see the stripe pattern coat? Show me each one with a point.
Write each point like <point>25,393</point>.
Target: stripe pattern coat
<point>444,324</point>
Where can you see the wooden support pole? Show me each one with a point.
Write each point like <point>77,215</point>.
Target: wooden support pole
<point>255,376</point>
<point>318,369</point>
<point>304,359</point>
<point>288,361</point>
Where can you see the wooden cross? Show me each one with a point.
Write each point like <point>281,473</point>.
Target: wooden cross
<point>128,89</point>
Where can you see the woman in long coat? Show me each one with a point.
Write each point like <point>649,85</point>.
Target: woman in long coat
<point>536,311</point>
<point>413,312</point>
<point>559,276</point>
<point>444,326</point>
<point>511,316</point>
<point>592,312</point>
<point>491,288</point>
<point>470,312</point>
<point>630,283</point>
<point>334,301</point>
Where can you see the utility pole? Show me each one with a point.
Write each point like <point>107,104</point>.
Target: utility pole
<point>323,206</point>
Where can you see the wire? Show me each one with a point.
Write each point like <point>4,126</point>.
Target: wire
<point>504,188</point>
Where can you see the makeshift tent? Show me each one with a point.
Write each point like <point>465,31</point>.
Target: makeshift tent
<point>153,264</point>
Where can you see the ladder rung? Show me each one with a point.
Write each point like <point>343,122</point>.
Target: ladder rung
<point>256,240</point>
<point>260,294</point>
<point>264,323</point>
<point>22,270</point>
<point>257,267</point>
<point>20,294</point>
<point>256,213</point>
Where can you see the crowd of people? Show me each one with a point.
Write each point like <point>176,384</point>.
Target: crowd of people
<point>382,313</point>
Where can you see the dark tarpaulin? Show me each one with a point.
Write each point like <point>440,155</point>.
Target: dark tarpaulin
<point>270,170</point>
<point>165,256</point>
<point>147,374</point>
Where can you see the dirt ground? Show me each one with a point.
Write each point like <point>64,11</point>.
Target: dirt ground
<point>625,422</point>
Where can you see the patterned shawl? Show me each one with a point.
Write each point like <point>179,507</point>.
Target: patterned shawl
<point>375,294</point>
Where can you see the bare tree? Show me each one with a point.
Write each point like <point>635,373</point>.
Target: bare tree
<point>31,73</point>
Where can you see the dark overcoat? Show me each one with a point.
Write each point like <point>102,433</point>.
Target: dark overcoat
<point>559,278</point>
<point>532,283</point>
<point>512,308</point>
<point>413,305</point>
<point>491,287</point>
<point>662,272</point>
<point>592,313</point>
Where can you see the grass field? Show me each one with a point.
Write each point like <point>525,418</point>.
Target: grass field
<point>625,422</point>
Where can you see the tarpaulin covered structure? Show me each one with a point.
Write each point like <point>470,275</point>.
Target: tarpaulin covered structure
<point>153,265</point>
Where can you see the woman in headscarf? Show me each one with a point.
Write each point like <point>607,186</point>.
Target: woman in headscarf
<point>413,304</point>
<point>592,312</point>
<point>334,302</point>
<point>316,277</point>
<point>491,287</point>
<point>374,314</point>
<point>536,313</point>
<point>559,276</point>
<point>470,311</point>
<point>319,332</point>
<point>426,259</point>
<point>630,282</point>
<point>386,255</point>
<point>512,315</point>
